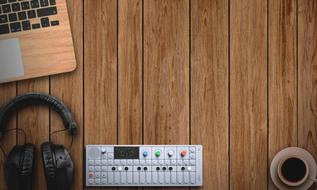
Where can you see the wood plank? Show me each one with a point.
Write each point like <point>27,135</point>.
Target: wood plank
<point>7,92</point>
<point>166,76</point>
<point>100,72</point>
<point>210,93</point>
<point>69,88</point>
<point>35,121</point>
<point>130,72</point>
<point>166,72</point>
<point>282,77</point>
<point>248,94</point>
<point>307,75</point>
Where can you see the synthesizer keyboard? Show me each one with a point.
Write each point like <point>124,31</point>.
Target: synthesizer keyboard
<point>144,165</point>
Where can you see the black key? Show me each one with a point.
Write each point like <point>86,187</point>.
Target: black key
<point>157,168</point>
<point>16,7</point>
<point>53,2</point>
<point>4,29</point>
<point>44,3</point>
<point>22,15</point>
<point>15,27</point>
<point>35,4</point>
<point>45,22</point>
<point>26,25</point>
<point>6,8</point>
<point>55,23</point>
<point>3,19</point>
<point>36,26</point>
<point>3,1</point>
<point>11,1</point>
<point>25,5</point>
<point>13,17</point>
<point>46,11</point>
<point>31,14</point>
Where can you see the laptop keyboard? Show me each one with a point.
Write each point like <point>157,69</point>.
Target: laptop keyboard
<point>16,15</point>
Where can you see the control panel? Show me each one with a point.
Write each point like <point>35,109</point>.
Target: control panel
<point>144,165</point>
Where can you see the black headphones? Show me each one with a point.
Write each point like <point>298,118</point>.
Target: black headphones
<point>20,162</point>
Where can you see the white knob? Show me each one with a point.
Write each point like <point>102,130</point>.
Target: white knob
<point>103,150</point>
<point>120,168</point>
<point>170,153</point>
<point>189,168</point>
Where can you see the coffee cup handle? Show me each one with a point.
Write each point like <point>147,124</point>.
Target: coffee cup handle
<point>314,180</point>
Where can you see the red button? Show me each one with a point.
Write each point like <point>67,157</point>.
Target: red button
<point>183,153</point>
<point>90,175</point>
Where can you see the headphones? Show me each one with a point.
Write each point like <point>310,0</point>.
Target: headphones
<point>20,162</point>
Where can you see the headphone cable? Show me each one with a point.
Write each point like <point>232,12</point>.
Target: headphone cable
<point>14,129</point>
<point>63,130</point>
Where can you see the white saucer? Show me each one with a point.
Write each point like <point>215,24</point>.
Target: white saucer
<point>298,152</point>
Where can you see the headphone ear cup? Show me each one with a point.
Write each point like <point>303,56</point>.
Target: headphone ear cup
<point>48,163</point>
<point>19,167</point>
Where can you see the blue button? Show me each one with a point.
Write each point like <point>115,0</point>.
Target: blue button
<point>145,153</point>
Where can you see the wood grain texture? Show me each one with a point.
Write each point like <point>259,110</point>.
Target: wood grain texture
<point>282,77</point>
<point>166,72</point>
<point>307,75</point>
<point>210,93</point>
<point>35,121</point>
<point>69,88</point>
<point>130,71</point>
<point>7,92</point>
<point>248,94</point>
<point>100,72</point>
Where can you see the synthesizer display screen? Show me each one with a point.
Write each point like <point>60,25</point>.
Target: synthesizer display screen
<point>126,152</point>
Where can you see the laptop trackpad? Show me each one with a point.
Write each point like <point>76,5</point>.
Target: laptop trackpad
<point>11,64</point>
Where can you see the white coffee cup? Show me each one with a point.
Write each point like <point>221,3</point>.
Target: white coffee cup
<point>287,165</point>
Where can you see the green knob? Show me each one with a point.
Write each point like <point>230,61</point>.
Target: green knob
<point>158,153</point>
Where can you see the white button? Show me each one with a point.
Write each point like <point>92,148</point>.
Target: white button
<point>104,168</point>
<point>91,162</point>
<point>90,181</point>
<point>97,174</point>
<point>120,168</point>
<point>117,162</point>
<point>192,156</point>
<point>170,153</point>
<point>103,174</point>
<point>110,162</point>
<point>103,181</point>
<point>91,168</point>
<point>192,149</point>
<point>110,156</point>
<point>97,168</point>
<point>192,162</point>
<point>130,162</point>
<point>103,150</point>
<point>142,162</point>
<point>189,168</point>
<point>97,162</point>
<point>97,181</point>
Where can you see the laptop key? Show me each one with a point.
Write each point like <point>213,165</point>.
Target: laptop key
<point>36,26</point>
<point>55,23</point>
<point>6,8</point>
<point>16,7</point>
<point>44,3</point>
<point>25,5</point>
<point>22,15</point>
<point>3,19</point>
<point>15,27</point>
<point>45,22</point>
<point>35,4</point>
<point>26,25</point>
<point>13,17</point>
<point>3,1</point>
<point>46,12</point>
<point>31,14</point>
<point>4,29</point>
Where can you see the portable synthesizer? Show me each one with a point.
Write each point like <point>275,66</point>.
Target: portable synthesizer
<point>144,165</point>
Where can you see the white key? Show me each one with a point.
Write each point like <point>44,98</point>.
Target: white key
<point>142,162</point>
<point>161,177</point>
<point>180,177</point>
<point>116,177</point>
<point>97,162</point>
<point>104,174</point>
<point>104,168</point>
<point>110,177</point>
<point>186,177</point>
<point>91,168</point>
<point>117,162</point>
<point>154,177</point>
<point>123,177</point>
<point>135,177</point>
<point>192,178</point>
<point>103,162</point>
<point>148,177</point>
<point>142,177</point>
<point>90,181</point>
<point>97,168</point>
<point>167,177</point>
<point>129,177</point>
<point>97,181</point>
<point>173,177</point>
<point>104,180</point>
<point>97,175</point>
<point>91,162</point>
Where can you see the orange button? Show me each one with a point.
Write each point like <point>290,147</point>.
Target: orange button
<point>183,153</point>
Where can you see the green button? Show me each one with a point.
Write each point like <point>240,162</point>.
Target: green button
<point>157,153</point>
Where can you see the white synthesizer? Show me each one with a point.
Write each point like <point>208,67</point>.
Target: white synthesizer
<point>144,165</point>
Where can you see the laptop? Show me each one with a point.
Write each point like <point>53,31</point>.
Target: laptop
<point>35,39</point>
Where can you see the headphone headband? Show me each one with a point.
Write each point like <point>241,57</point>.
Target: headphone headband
<point>37,99</point>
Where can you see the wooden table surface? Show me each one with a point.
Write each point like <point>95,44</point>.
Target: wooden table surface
<point>237,76</point>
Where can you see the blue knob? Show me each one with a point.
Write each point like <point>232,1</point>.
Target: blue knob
<point>145,153</point>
